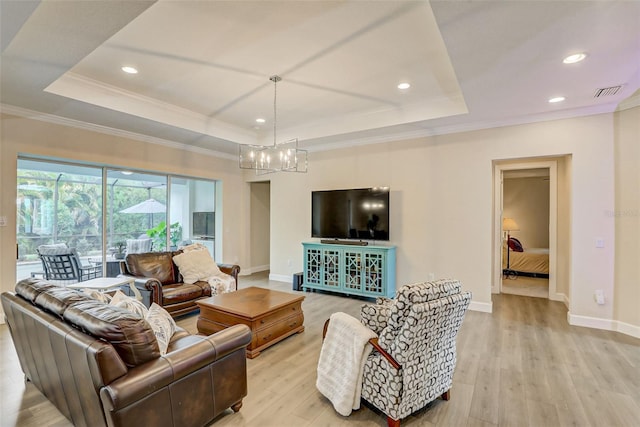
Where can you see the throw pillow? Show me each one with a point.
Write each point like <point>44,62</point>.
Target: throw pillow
<point>196,265</point>
<point>515,245</point>
<point>97,295</point>
<point>121,300</point>
<point>163,326</point>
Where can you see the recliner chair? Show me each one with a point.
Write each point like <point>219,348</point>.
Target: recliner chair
<point>416,330</point>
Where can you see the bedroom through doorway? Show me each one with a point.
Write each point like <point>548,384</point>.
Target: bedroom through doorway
<point>525,249</point>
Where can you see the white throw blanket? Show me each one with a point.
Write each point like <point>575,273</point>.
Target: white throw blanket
<point>344,352</point>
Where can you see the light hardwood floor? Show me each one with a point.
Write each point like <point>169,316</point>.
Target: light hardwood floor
<point>522,365</point>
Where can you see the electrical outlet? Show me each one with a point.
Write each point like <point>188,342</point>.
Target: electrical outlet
<point>432,276</point>
<point>599,296</point>
<point>3,221</point>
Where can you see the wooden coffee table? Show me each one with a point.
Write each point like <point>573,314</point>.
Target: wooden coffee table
<point>271,315</point>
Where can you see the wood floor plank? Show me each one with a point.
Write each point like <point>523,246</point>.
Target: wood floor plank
<point>485,404</point>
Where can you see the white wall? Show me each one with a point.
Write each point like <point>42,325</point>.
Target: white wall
<point>441,202</point>
<point>626,218</point>
<point>526,200</point>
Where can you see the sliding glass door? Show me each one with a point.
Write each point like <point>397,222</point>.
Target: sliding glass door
<point>193,206</point>
<point>63,203</point>
<point>57,203</point>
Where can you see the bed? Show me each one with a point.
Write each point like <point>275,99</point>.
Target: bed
<point>530,262</point>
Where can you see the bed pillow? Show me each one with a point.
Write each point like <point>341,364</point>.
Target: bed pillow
<point>196,265</point>
<point>515,245</point>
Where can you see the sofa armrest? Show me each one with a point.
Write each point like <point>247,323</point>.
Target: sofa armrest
<point>232,270</point>
<point>147,284</point>
<point>146,379</point>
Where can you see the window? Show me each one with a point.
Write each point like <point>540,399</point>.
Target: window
<point>62,202</point>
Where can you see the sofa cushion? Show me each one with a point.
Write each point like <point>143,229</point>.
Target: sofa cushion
<point>182,292</point>
<point>57,299</point>
<point>29,289</point>
<point>130,335</point>
<point>153,265</point>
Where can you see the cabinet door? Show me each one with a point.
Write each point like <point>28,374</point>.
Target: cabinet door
<point>313,265</point>
<point>373,273</point>
<point>353,278</point>
<point>331,262</point>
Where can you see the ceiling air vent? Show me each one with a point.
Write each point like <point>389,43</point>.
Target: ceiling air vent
<point>607,91</point>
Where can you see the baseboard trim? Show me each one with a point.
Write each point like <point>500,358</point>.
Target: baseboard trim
<point>257,269</point>
<point>281,278</point>
<point>604,324</point>
<point>485,307</point>
<point>590,322</point>
<point>628,329</point>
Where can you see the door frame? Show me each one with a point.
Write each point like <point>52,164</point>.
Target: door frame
<point>520,164</point>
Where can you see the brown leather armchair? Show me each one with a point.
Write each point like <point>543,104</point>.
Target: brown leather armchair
<point>158,279</point>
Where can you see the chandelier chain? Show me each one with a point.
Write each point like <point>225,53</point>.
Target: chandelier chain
<point>275,79</point>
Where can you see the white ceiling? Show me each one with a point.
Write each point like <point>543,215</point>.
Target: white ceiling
<point>204,66</point>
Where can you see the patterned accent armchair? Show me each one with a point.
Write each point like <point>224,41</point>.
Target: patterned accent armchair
<point>418,331</point>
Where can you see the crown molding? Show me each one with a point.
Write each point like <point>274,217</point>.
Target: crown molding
<point>92,127</point>
<point>631,102</point>
<point>347,142</point>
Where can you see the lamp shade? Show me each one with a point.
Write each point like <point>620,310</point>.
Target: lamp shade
<point>508,224</point>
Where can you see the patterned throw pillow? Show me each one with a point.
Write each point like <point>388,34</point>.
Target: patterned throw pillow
<point>163,326</point>
<point>97,295</point>
<point>121,300</point>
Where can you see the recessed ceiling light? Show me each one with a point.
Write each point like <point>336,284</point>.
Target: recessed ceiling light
<point>129,70</point>
<point>260,120</point>
<point>576,57</point>
<point>403,86</point>
<point>556,99</point>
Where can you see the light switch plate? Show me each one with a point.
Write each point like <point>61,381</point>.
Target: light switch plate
<point>599,243</point>
<point>3,221</point>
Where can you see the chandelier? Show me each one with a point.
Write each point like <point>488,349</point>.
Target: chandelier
<point>282,157</point>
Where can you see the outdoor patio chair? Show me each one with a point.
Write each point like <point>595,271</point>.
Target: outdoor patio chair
<point>139,246</point>
<point>61,263</point>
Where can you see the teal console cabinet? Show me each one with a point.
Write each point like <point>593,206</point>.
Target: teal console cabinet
<point>353,270</point>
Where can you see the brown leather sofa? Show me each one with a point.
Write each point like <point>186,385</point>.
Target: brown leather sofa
<point>100,365</point>
<point>158,279</point>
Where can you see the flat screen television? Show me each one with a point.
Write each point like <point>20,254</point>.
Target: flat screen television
<point>204,225</point>
<point>361,213</point>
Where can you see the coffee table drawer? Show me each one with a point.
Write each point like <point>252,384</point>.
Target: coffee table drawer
<point>278,315</point>
<point>278,329</point>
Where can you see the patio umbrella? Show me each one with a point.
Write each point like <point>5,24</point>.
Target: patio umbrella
<point>149,206</point>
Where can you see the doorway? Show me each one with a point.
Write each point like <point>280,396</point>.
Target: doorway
<point>525,252</point>
<point>260,226</point>
<point>534,240</point>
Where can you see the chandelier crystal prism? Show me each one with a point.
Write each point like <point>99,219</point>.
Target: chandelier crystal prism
<point>282,157</point>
